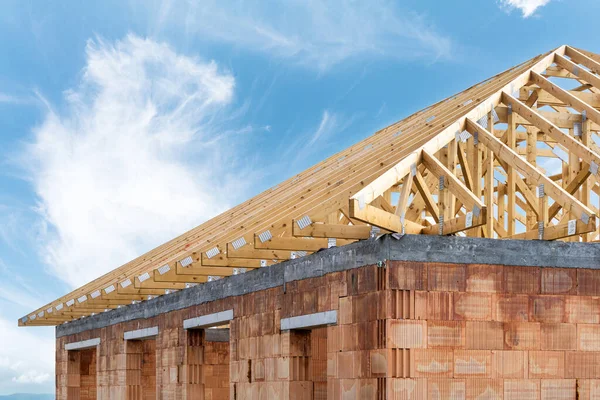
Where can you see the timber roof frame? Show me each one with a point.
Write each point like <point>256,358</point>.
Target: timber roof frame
<point>470,165</point>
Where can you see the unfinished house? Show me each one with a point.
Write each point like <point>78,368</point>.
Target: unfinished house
<point>448,256</point>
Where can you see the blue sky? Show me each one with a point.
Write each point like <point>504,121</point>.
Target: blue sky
<point>125,123</point>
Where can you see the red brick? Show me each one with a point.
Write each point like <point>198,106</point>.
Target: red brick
<point>588,282</point>
<point>446,277</point>
<point>522,336</point>
<point>406,389</point>
<point>510,307</point>
<point>447,334</point>
<point>559,389</point>
<point>509,364</point>
<point>588,389</point>
<point>582,309</point>
<point>547,308</point>
<point>559,336</point>
<point>490,389</point>
<point>485,278</point>
<point>559,281</point>
<point>439,305</point>
<point>407,275</point>
<point>431,363</point>
<point>472,306</point>
<point>522,389</point>
<point>522,280</point>
<point>588,337</point>
<point>546,364</point>
<point>485,335</point>
<point>582,365</point>
<point>472,364</point>
<point>406,334</point>
<point>446,389</point>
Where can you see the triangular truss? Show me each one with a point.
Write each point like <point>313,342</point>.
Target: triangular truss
<point>514,157</point>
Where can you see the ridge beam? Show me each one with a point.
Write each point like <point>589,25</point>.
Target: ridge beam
<point>565,96</point>
<point>382,219</point>
<point>453,183</point>
<point>530,172</point>
<point>567,141</point>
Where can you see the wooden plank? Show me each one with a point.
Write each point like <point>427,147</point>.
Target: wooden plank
<point>430,203</point>
<point>453,183</point>
<point>555,232</point>
<point>298,244</point>
<point>382,219</point>
<point>319,230</point>
<point>249,251</point>
<point>567,97</point>
<point>456,225</point>
<point>404,194</point>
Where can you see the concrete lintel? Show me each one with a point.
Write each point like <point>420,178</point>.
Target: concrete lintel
<point>139,334</point>
<point>84,344</point>
<point>210,320</point>
<point>216,335</point>
<point>309,321</point>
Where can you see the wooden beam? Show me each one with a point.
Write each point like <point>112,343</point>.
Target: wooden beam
<point>404,195</point>
<point>559,231</point>
<point>297,244</point>
<point>571,188</point>
<point>456,225</point>
<point>382,219</point>
<point>567,141</point>
<point>221,260</point>
<point>453,183</point>
<point>582,59</point>
<point>430,203</point>
<point>594,80</point>
<point>388,179</point>
<point>355,232</point>
<point>529,171</point>
<point>566,97</point>
<point>249,251</point>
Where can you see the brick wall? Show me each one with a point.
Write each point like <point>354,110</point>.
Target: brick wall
<point>407,331</point>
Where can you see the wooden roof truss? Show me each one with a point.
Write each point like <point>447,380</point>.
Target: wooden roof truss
<point>515,156</point>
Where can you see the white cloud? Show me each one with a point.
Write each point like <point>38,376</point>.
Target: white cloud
<point>326,127</point>
<point>133,160</point>
<point>32,376</point>
<point>527,7</point>
<point>26,358</point>
<point>311,32</point>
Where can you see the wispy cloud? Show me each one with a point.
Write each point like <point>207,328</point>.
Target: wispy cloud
<point>315,141</point>
<point>527,7</point>
<point>19,366</point>
<point>313,33</point>
<point>12,99</point>
<point>326,127</point>
<point>140,155</point>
